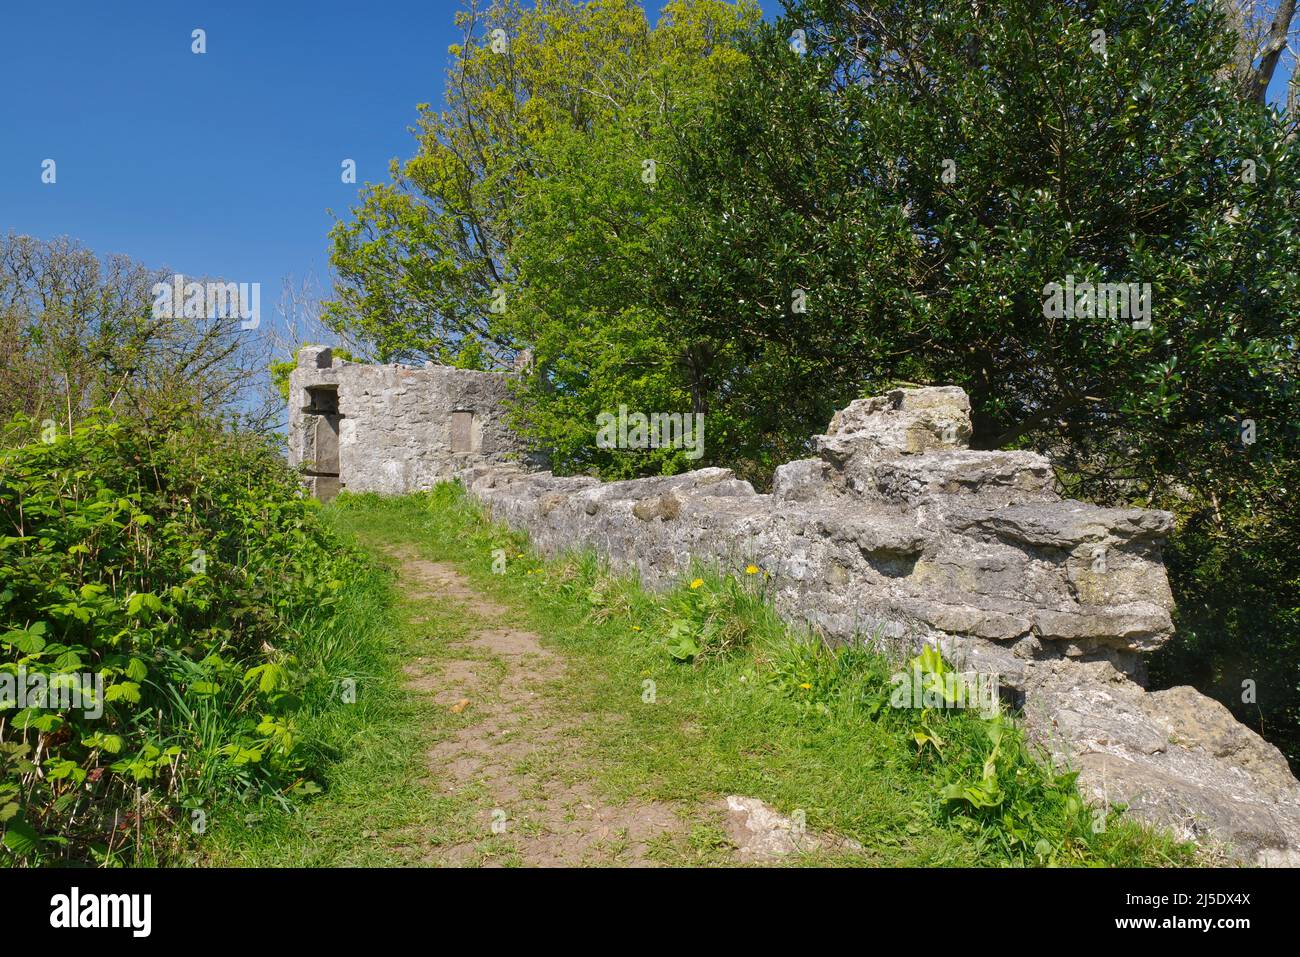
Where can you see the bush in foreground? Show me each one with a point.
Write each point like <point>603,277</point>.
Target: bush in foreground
<point>151,576</point>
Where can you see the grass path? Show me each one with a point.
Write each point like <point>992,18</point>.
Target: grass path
<point>471,751</point>
<point>533,717</point>
<point>510,752</point>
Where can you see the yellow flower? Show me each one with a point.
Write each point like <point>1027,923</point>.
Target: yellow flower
<point>805,685</point>
<point>636,627</point>
<point>751,569</point>
<point>697,583</point>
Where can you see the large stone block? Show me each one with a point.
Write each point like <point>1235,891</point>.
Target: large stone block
<point>1175,758</point>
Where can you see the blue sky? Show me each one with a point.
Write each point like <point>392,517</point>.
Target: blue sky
<point>221,164</point>
<point>224,164</point>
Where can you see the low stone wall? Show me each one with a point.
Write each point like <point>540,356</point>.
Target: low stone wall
<point>898,532</point>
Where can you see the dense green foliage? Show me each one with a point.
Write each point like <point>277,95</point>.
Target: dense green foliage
<point>178,565</point>
<point>545,160</point>
<point>926,182</point>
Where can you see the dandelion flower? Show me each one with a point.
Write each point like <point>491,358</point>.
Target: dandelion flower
<point>697,583</point>
<point>751,569</point>
<point>805,686</point>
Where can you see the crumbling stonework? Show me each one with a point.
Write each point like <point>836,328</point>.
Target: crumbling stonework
<point>897,532</point>
<point>392,428</point>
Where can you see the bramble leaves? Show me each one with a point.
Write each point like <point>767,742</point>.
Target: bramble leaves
<point>118,652</point>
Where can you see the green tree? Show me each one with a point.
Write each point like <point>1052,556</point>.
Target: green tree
<point>425,266</point>
<point>585,296</point>
<point>544,165</point>
<point>926,170</point>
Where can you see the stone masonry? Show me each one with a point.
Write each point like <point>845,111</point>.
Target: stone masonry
<point>895,533</point>
<point>393,428</point>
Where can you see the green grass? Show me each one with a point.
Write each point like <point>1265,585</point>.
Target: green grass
<point>371,750</point>
<point>758,709</point>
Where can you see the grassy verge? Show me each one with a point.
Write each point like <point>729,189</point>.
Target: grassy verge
<point>685,696</point>
<point>166,606</point>
<point>376,807</point>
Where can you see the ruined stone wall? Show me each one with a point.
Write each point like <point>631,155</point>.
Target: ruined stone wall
<point>898,532</point>
<point>395,428</point>
<point>895,532</point>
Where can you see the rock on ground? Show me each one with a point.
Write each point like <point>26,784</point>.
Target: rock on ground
<point>762,834</point>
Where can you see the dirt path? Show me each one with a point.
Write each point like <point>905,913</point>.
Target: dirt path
<point>513,752</point>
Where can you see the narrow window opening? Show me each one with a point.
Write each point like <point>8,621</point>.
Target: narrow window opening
<point>322,400</point>
<point>462,431</point>
<point>321,441</point>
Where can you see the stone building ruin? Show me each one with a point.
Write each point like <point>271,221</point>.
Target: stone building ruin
<point>895,532</point>
<point>393,428</point>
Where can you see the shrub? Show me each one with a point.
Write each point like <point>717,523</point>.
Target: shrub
<point>995,788</point>
<point>159,566</point>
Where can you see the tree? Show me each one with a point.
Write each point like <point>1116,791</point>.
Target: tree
<point>424,258</point>
<point>543,165</point>
<point>931,169</point>
<point>78,331</point>
<point>585,295</point>
<point>1264,33</point>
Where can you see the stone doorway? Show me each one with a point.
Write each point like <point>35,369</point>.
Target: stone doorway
<point>321,424</point>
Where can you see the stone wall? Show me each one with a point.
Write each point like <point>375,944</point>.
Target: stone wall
<point>897,532</point>
<point>393,428</point>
